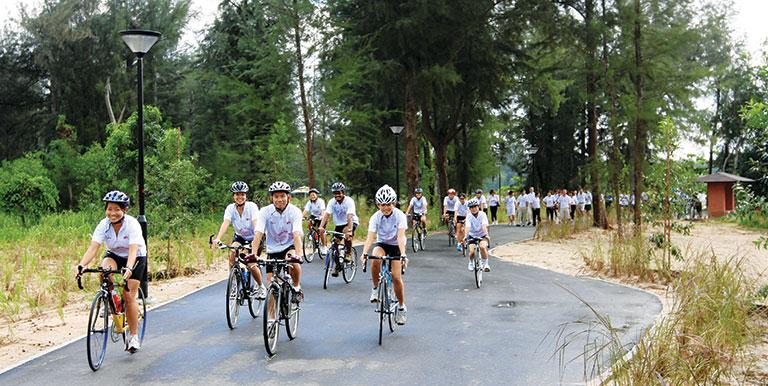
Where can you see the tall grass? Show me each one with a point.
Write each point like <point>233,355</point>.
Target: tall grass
<point>703,339</point>
<point>552,231</point>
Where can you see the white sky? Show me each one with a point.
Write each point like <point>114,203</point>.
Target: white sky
<point>749,25</point>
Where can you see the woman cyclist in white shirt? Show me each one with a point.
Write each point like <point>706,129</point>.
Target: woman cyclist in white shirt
<point>386,233</point>
<point>126,251</point>
<point>242,214</point>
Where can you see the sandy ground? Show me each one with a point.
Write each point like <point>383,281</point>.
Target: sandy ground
<point>726,240</point>
<point>32,335</point>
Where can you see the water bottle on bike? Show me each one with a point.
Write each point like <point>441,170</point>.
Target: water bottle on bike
<point>118,317</point>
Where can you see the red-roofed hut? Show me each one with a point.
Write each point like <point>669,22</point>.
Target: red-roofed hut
<point>720,198</point>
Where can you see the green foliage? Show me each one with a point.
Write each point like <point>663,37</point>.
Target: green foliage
<point>25,189</point>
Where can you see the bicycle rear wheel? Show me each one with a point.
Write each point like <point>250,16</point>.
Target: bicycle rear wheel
<point>254,305</point>
<point>234,291</point>
<point>292,319</point>
<point>142,327</point>
<point>98,331</point>
<point>350,268</point>
<point>271,327</point>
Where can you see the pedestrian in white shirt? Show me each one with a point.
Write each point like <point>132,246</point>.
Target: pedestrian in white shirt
<point>587,201</point>
<point>493,204</point>
<point>510,203</point>
<point>522,208</point>
<point>549,203</point>
<point>564,202</point>
<point>536,208</point>
<point>481,199</point>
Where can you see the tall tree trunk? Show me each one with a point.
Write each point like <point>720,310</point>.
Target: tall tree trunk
<point>591,70</point>
<point>411,139</point>
<point>308,127</point>
<point>641,133</point>
<point>715,122</point>
<point>464,164</point>
<point>615,168</point>
<point>107,90</point>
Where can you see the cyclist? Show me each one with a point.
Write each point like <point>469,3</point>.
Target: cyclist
<point>387,227</point>
<point>419,205</point>
<point>281,221</point>
<point>478,234</point>
<point>462,210</point>
<point>314,208</point>
<point>449,205</point>
<point>480,197</point>
<point>242,215</point>
<point>344,218</point>
<point>126,251</point>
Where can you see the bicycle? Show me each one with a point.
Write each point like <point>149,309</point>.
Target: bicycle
<point>387,306</point>
<point>311,241</point>
<point>279,305</point>
<point>240,284</point>
<point>107,303</point>
<point>451,231</point>
<point>476,261</point>
<point>335,259</point>
<point>419,234</point>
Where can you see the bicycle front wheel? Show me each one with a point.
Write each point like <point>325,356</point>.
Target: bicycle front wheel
<point>422,237</point>
<point>271,326</point>
<point>98,331</point>
<point>350,268</point>
<point>292,319</point>
<point>415,239</point>
<point>478,271</point>
<point>383,307</point>
<point>234,289</point>
<point>308,247</point>
<point>329,265</point>
<point>393,307</point>
<point>451,234</point>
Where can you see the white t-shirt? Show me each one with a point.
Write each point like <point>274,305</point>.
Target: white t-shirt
<point>493,200</point>
<point>462,209</point>
<point>588,198</point>
<point>522,201</point>
<point>580,198</point>
<point>564,201</point>
<point>315,208</point>
<point>386,227</point>
<point>419,205</point>
<point>341,210</point>
<point>549,201</point>
<point>130,233</point>
<point>450,205</point>
<point>476,225</point>
<point>535,202</point>
<point>243,224</point>
<point>510,201</point>
<point>572,200</point>
<point>279,227</point>
<point>483,202</point>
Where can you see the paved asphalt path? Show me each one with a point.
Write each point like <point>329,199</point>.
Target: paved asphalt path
<point>503,333</point>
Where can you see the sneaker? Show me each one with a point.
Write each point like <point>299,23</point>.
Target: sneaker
<point>471,266</point>
<point>335,272</point>
<point>260,293</point>
<point>458,247</point>
<point>134,344</point>
<point>375,295</point>
<point>323,250</point>
<point>486,267</point>
<point>298,295</point>
<point>401,316</point>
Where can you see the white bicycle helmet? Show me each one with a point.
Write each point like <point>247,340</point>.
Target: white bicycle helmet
<point>338,187</point>
<point>386,195</point>
<point>117,197</point>
<point>473,202</point>
<point>239,187</point>
<point>279,186</point>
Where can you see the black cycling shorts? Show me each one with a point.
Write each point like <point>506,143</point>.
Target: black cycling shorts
<point>472,240</point>
<point>340,228</point>
<point>461,219</point>
<point>450,213</point>
<point>139,268</point>
<point>389,250</point>
<point>240,240</point>
<point>279,256</point>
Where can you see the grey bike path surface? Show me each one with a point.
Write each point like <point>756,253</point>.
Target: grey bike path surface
<point>456,334</point>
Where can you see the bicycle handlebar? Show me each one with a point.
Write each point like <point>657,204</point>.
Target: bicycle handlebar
<point>338,234</point>
<point>103,272</point>
<point>390,258</point>
<point>225,246</point>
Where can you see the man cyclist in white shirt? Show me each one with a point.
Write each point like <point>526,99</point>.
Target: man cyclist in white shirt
<point>419,205</point>
<point>449,206</point>
<point>477,233</point>
<point>462,211</point>
<point>281,222</point>
<point>387,228</point>
<point>344,218</point>
<point>126,251</point>
<point>314,208</point>
<point>242,214</point>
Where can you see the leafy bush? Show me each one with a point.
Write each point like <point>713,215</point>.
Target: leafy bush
<point>25,189</point>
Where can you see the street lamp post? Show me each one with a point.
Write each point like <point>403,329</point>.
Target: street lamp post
<point>396,130</point>
<point>140,42</point>
<point>531,151</point>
